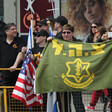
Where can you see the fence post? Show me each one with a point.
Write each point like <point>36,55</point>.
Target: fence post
<point>5,99</point>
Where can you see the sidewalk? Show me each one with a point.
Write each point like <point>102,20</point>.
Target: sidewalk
<point>86,99</point>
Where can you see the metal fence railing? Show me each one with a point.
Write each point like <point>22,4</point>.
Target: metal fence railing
<point>13,105</point>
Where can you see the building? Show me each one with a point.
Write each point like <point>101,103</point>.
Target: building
<point>16,10</point>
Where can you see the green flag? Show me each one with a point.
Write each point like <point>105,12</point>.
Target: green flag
<point>74,66</point>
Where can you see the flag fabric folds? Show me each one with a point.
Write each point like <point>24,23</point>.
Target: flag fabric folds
<point>73,66</point>
<point>24,88</point>
<point>51,102</point>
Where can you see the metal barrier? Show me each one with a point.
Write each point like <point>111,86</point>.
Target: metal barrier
<point>13,105</point>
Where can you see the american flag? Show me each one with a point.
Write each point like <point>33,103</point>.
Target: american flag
<point>24,88</point>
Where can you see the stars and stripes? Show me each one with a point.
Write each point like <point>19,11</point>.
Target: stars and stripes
<point>24,88</point>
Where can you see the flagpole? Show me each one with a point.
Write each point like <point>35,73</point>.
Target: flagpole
<point>55,94</point>
<point>50,34</point>
<point>48,23</point>
<point>32,32</point>
<point>63,104</point>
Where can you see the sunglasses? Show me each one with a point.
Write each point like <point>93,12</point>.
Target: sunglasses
<point>93,26</point>
<point>37,36</point>
<point>66,32</point>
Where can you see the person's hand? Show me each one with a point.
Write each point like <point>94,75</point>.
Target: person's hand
<point>49,39</point>
<point>38,60</point>
<point>24,49</point>
<point>32,57</point>
<point>12,68</point>
<point>104,36</point>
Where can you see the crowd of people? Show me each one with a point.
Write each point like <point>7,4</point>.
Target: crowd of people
<point>13,49</point>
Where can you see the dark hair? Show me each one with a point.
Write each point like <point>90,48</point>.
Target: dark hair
<point>109,28</point>
<point>102,30</point>
<point>68,27</point>
<point>98,24</point>
<point>62,20</point>
<point>2,25</point>
<point>41,33</point>
<point>52,21</point>
<point>50,18</point>
<point>91,34</point>
<point>42,22</point>
<point>8,26</point>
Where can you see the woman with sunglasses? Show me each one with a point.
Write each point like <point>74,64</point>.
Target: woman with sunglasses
<point>93,31</point>
<point>97,32</point>
<point>82,13</point>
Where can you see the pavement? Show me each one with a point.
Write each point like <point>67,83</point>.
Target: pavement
<point>86,95</point>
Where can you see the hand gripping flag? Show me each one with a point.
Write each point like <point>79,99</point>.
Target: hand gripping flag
<point>24,88</point>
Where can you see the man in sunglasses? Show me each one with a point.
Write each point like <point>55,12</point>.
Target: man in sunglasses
<point>43,25</point>
<point>41,39</point>
<point>67,34</point>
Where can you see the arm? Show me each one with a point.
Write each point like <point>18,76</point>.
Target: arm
<point>49,39</point>
<point>19,59</point>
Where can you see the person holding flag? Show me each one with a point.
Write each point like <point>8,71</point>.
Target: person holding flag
<point>31,59</point>
<point>41,39</point>
<point>67,34</point>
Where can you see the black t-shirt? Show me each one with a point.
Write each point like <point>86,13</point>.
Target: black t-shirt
<point>90,40</point>
<point>59,35</point>
<point>8,54</point>
<point>37,52</point>
<point>78,40</point>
